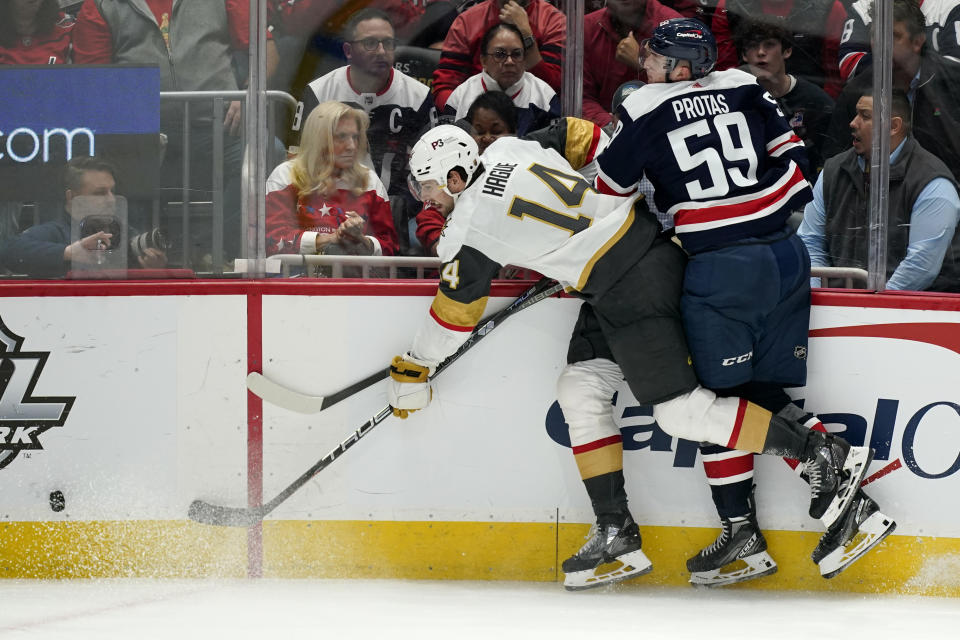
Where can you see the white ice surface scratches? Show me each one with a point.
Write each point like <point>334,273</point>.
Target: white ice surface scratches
<point>240,609</point>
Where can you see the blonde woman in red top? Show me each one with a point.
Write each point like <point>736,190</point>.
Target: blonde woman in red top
<point>328,199</point>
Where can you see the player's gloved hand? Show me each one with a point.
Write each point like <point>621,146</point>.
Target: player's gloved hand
<point>408,388</point>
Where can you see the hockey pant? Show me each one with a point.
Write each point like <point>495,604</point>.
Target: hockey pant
<point>584,392</point>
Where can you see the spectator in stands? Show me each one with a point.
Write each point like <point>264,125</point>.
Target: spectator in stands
<point>931,82</point>
<point>924,206</point>
<point>325,201</point>
<point>398,106</point>
<point>542,27</point>
<point>814,27</point>
<point>942,19</point>
<point>611,50</point>
<point>431,29</point>
<point>192,42</point>
<point>47,251</point>
<point>492,115</point>
<point>502,58</point>
<point>34,32</point>
<point>765,47</point>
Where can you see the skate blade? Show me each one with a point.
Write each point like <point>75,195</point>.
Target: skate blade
<point>871,533</point>
<point>857,462</point>
<point>741,570</point>
<point>629,565</point>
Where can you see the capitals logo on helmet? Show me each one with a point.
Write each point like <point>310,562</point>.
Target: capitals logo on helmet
<point>441,149</point>
<point>685,39</point>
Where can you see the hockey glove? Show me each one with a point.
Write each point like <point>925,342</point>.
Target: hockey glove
<point>408,388</point>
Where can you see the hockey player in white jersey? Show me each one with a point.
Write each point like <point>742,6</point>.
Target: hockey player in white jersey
<point>728,168</point>
<point>524,205</point>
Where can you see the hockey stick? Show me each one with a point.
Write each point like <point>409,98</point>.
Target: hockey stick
<point>281,396</point>
<point>207,513</point>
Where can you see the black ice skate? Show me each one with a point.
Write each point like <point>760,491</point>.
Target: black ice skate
<point>612,553</point>
<point>851,537</point>
<point>738,554</point>
<point>834,475</point>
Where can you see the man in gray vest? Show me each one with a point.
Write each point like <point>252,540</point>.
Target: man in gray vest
<point>923,213</point>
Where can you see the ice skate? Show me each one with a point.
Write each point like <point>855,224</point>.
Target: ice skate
<point>611,554</point>
<point>738,554</point>
<point>834,475</point>
<point>851,537</point>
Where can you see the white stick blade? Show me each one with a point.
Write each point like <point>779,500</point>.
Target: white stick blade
<point>281,396</point>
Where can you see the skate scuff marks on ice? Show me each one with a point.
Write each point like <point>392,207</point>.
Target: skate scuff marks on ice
<point>937,569</point>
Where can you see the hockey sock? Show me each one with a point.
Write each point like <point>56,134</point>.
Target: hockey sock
<point>730,476</point>
<point>774,398</point>
<point>608,497</point>
<point>730,472</point>
<point>601,468</point>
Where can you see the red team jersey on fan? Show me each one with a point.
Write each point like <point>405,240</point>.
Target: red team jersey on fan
<point>293,222</point>
<point>49,48</point>
<point>722,159</point>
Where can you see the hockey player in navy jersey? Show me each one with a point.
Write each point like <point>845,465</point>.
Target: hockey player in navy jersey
<point>523,204</point>
<point>726,165</point>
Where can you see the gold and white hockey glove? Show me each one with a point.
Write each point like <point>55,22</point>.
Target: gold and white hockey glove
<point>408,388</point>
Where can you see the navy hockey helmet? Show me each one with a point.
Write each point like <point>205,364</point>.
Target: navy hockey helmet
<point>685,39</point>
<point>622,92</point>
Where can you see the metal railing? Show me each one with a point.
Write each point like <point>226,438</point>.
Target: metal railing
<point>311,266</point>
<point>218,100</point>
<point>852,278</point>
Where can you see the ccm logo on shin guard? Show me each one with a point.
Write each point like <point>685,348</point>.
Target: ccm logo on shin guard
<point>727,362</point>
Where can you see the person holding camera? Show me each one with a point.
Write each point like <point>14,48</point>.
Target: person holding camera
<point>48,251</point>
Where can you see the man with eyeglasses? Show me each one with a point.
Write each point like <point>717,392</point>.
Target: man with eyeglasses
<point>502,57</point>
<point>399,106</point>
<point>543,30</point>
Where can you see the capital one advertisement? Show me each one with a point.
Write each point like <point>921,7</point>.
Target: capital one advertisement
<point>53,113</point>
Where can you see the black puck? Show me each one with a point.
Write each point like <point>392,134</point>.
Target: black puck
<point>57,501</point>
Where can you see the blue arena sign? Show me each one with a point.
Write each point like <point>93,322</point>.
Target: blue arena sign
<point>53,113</point>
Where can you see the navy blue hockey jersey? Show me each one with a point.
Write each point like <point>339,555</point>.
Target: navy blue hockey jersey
<point>723,161</point>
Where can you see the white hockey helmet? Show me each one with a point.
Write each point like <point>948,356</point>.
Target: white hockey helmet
<point>437,152</point>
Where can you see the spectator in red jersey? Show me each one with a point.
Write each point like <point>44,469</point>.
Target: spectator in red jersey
<point>611,50</point>
<point>193,43</point>
<point>34,32</point>
<point>815,28</point>
<point>324,201</point>
<point>544,31</point>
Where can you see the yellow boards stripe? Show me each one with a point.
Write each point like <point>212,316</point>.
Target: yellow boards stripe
<point>459,314</point>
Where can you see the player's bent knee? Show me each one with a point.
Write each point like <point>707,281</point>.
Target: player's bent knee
<point>698,415</point>
<point>584,394</point>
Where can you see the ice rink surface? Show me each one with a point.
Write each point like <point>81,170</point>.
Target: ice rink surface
<point>135,609</point>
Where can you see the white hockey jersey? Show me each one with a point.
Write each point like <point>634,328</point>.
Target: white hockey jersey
<point>530,208</point>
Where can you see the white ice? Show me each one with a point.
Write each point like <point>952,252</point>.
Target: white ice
<point>386,609</point>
